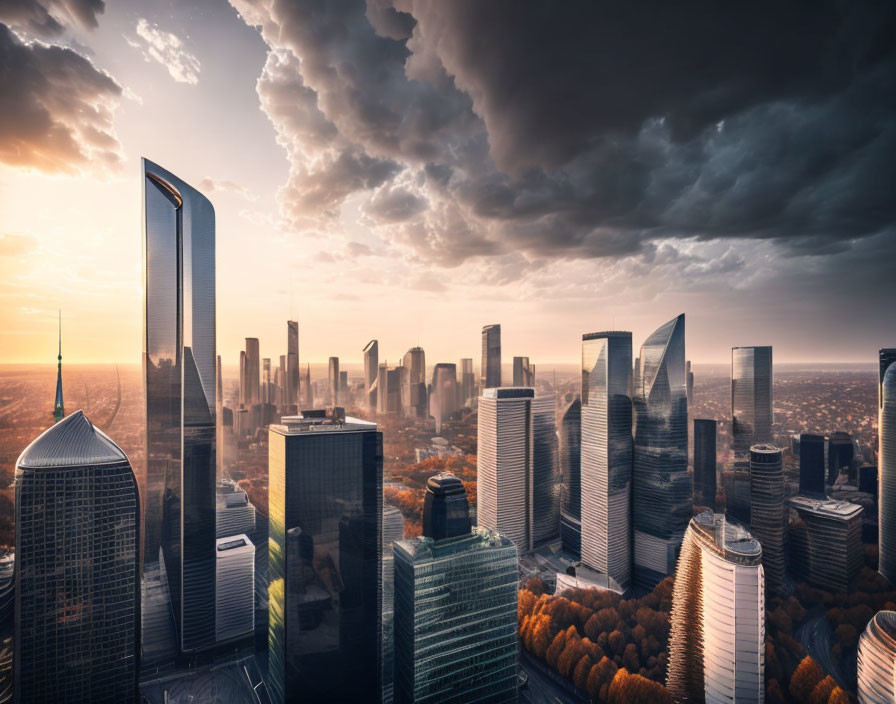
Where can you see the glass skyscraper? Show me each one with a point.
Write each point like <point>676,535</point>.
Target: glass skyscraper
<point>413,384</point>
<point>179,377</point>
<point>467,382</point>
<point>661,486</point>
<point>886,474</point>
<point>768,521</point>
<point>326,509</point>
<point>77,585</point>
<point>443,397</point>
<point>371,369</point>
<point>490,371</point>
<point>571,477</point>
<point>812,464</point>
<point>523,372</point>
<point>292,363</point>
<point>751,399</point>
<point>455,607</point>
<point>606,469</point>
<point>393,531</point>
<point>705,462</point>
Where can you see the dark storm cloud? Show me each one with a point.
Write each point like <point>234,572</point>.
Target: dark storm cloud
<point>47,18</point>
<point>587,129</point>
<point>56,106</point>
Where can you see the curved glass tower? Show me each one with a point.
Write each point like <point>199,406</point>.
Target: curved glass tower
<point>606,469</point>
<point>77,585</point>
<point>661,487</point>
<point>179,365</point>
<point>887,475</point>
<point>751,399</point>
<point>767,510</point>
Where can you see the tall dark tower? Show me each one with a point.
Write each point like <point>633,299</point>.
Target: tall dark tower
<point>58,406</point>
<point>446,512</point>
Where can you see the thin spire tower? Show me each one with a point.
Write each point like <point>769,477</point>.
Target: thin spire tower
<point>58,406</point>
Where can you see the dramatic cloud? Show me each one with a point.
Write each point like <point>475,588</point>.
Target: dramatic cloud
<point>57,108</point>
<point>48,18</point>
<point>210,185</point>
<point>581,130</point>
<point>167,49</point>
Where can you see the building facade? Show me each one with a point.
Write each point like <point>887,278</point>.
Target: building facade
<point>877,660</point>
<point>606,459</point>
<point>393,531</point>
<point>467,382</point>
<point>705,462</point>
<point>490,371</point>
<point>235,591</point>
<point>523,372</point>
<point>77,584</point>
<point>570,432</point>
<point>333,382</point>
<point>826,542</point>
<point>443,397</point>
<point>413,384</point>
<point>751,399</point>
<point>812,461</point>
<point>886,475</point>
<point>768,513</point>
<point>292,364</point>
<point>371,370</point>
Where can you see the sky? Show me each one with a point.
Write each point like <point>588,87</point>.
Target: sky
<point>411,171</point>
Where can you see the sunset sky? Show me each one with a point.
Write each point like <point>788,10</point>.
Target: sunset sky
<point>412,170</point>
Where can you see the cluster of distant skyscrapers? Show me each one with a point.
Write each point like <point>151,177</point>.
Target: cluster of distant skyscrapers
<point>113,592</point>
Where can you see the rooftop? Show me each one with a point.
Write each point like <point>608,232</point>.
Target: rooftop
<point>606,333</point>
<point>72,442</point>
<point>826,507</point>
<point>509,392</point>
<point>737,541</point>
<point>320,422</point>
<point>233,543</point>
<point>421,549</point>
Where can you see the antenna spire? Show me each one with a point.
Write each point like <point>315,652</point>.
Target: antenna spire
<point>58,406</point>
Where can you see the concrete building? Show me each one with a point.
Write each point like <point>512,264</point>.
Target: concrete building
<point>826,542</point>
<point>235,590</point>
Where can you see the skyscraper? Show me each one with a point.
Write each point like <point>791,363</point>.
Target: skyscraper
<point>522,372</point>
<point>333,379</point>
<point>886,474</point>
<point>661,486</point>
<point>467,382</point>
<point>877,660</point>
<point>517,478</point>
<point>393,531</point>
<point>455,607</point>
<point>571,477</point>
<point>886,357</point>
<point>768,521</point>
<point>490,372</point>
<point>77,573</point>
<point>371,370</point>
<point>840,454</point>
<point>266,380</point>
<point>235,589</point>
<point>179,367</point>
<point>244,401</point>
<point>606,470</point>
<point>751,399</point>
<point>58,405</point>
<point>413,384</point>
<point>219,420</point>
<point>690,382</point>
<point>717,640</point>
<point>705,462</point>
<point>292,363</point>
<point>826,543</point>
<point>253,372</point>
<point>812,464</point>
<point>443,400</point>
<point>325,502</point>
<point>388,389</point>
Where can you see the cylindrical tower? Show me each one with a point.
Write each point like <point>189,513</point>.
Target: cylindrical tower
<point>887,476</point>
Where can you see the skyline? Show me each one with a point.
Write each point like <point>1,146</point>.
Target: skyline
<point>416,223</point>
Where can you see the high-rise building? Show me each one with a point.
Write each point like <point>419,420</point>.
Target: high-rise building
<point>467,382</point>
<point>705,462</point>
<point>840,454</point>
<point>443,399</point>
<point>690,382</point>
<point>371,370</point>
<point>393,531</point>
<point>219,420</point>
<point>413,384</point>
<point>826,542</point>
<point>455,607</point>
<point>661,485</point>
<point>606,469</point>
<point>751,399</point>
<point>517,477</point>
<point>325,505</point>
<point>811,456</point>
<point>768,522</point>
<point>235,513</point>
<point>58,405</point>
<point>253,372</point>
<point>523,375</point>
<point>292,363</point>
<point>717,640</point>
<point>77,586</point>
<point>7,623</point>
<point>877,660</point>
<point>490,372</point>
<point>266,380</point>
<point>235,590</point>
<point>571,478</point>
<point>886,474</point>
<point>886,357</point>
<point>179,364</point>
<point>243,386</point>
<point>333,379</point>
<point>388,389</point>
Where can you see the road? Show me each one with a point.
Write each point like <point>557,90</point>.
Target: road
<point>817,637</point>
<point>541,689</point>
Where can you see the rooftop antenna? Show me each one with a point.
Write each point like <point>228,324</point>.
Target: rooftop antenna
<point>58,406</point>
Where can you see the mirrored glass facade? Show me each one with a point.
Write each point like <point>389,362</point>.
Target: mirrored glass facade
<point>490,371</point>
<point>751,399</point>
<point>77,578</point>
<point>768,513</point>
<point>570,477</point>
<point>705,462</point>
<point>325,503</point>
<point>292,363</point>
<point>371,369</point>
<point>661,486</point>
<point>886,476</point>
<point>606,470</point>
<point>179,374</point>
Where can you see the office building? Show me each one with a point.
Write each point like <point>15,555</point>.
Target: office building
<point>333,379</point>
<point>455,607</point>
<point>811,454</point>
<point>717,639</point>
<point>705,462</point>
<point>243,387</point>
<point>443,399</point>
<point>371,370</point>
<point>490,372</point>
<point>413,384</point>
<point>570,478</point>
<point>690,382</point>
<point>661,485</point>
<point>467,382</point>
<point>219,420</point>
<point>7,623</point>
<point>826,542</point>
<point>886,475</point>
<point>886,357</point>
<point>393,531</point>
<point>235,514</point>
<point>517,474</point>
<point>841,454</point>
<point>388,389</point>
<point>77,586</point>
<point>325,580</point>
<point>751,399</point>
<point>179,365</point>
<point>868,479</point>
<point>235,590</point>
<point>253,373</point>
<point>606,460</point>
<point>523,374</point>
<point>877,660</point>
<point>768,512</point>
<point>292,385</point>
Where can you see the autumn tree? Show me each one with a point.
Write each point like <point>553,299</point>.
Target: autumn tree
<point>635,689</point>
<point>822,691</point>
<point>804,680</point>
